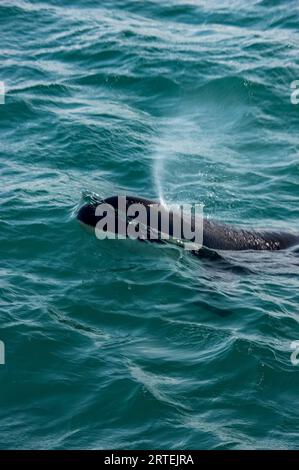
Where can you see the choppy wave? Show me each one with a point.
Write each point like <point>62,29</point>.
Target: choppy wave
<point>125,344</point>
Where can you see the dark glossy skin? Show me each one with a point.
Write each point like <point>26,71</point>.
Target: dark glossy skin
<point>215,236</point>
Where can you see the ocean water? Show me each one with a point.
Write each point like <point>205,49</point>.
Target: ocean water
<point>121,344</point>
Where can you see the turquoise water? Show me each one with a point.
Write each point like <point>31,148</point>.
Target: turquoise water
<point>125,344</point>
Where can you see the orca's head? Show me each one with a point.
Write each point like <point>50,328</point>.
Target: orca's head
<point>86,215</point>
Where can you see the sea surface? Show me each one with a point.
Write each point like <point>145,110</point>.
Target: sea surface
<point>128,345</point>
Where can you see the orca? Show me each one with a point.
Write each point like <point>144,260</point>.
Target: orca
<point>216,236</point>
